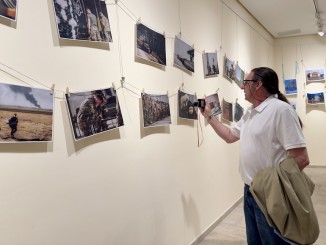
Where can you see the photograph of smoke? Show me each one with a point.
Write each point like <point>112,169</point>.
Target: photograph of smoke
<point>26,114</point>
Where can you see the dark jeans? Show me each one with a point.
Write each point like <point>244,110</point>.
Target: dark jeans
<point>257,227</point>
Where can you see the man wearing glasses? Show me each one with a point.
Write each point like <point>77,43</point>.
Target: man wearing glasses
<point>269,132</point>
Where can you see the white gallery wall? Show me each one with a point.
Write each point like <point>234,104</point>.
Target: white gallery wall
<point>130,185</point>
<point>308,52</point>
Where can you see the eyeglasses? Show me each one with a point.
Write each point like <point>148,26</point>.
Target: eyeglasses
<point>245,81</point>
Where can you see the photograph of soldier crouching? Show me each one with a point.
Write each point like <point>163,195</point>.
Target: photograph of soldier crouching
<point>93,112</point>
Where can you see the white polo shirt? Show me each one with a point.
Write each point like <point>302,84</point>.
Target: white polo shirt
<point>266,133</point>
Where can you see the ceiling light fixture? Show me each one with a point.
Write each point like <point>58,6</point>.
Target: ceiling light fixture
<point>319,20</point>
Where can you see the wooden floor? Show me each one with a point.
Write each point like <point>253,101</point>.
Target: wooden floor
<point>232,231</point>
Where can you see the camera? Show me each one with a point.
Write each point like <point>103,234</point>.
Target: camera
<point>200,103</point>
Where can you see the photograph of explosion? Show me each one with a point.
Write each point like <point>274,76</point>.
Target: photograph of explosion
<point>156,110</point>
<point>93,112</point>
<point>229,69</point>
<point>150,45</point>
<point>26,114</point>
<point>8,9</point>
<point>86,20</point>
<point>227,111</point>
<point>184,55</point>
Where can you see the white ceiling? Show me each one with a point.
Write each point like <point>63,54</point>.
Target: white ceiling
<point>284,18</point>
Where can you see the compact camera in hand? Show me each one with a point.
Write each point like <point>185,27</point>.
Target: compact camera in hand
<point>200,103</point>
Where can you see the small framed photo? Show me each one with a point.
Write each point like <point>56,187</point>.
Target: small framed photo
<point>227,109</point>
<point>94,112</point>
<point>229,69</point>
<point>210,64</point>
<point>315,75</point>
<point>239,76</point>
<point>184,55</point>
<point>156,110</point>
<point>150,45</point>
<point>315,98</point>
<point>214,104</point>
<point>8,9</point>
<point>238,112</point>
<point>26,114</point>
<point>187,110</point>
<point>290,86</point>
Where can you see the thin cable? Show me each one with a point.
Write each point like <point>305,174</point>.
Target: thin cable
<point>21,75</point>
<point>119,41</point>
<point>128,9</point>
<point>179,15</point>
<point>246,22</point>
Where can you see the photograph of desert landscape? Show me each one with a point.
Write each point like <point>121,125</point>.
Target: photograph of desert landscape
<point>25,114</point>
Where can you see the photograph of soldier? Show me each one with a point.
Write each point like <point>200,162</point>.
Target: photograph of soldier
<point>150,45</point>
<point>85,20</point>
<point>315,98</point>
<point>239,76</point>
<point>156,110</point>
<point>227,112</point>
<point>214,103</point>
<point>238,112</point>
<point>229,72</point>
<point>184,55</point>
<point>25,114</point>
<point>290,86</point>
<point>210,64</point>
<point>93,112</point>
<point>187,110</point>
<point>315,75</point>
<point>8,9</point>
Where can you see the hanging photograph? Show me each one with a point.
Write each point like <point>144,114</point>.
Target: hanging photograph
<point>229,71</point>
<point>315,98</point>
<point>26,114</point>
<point>239,76</point>
<point>238,112</point>
<point>315,75</point>
<point>214,104</point>
<point>85,20</point>
<point>210,64</point>
<point>93,112</point>
<point>150,45</point>
<point>8,9</point>
<point>290,86</point>
<point>156,110</point>
<point>227,112</point>
<point>184,55</point>
<point>187,110</point>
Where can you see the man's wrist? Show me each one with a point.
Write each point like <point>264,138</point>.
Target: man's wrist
<point>209,117</point>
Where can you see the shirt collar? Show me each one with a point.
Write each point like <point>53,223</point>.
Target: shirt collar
<point>264,104</point>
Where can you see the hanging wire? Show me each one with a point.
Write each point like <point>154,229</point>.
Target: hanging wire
<point>179,15</point>
<point>119,41</point>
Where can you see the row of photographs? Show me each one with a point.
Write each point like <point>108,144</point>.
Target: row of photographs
<point>88,20</point>
<point>26,114</point>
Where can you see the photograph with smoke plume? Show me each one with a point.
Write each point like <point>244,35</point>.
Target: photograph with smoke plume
<point>26,114</point>
<point>150,45</point>
<point>8,9</point>
<point>85,20</point>
<point>210,64</point>
<point>93,112</point>
<point>184,55</point>
<point>214,104</point>
<point>156,110</point>
<point>187,110</point>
